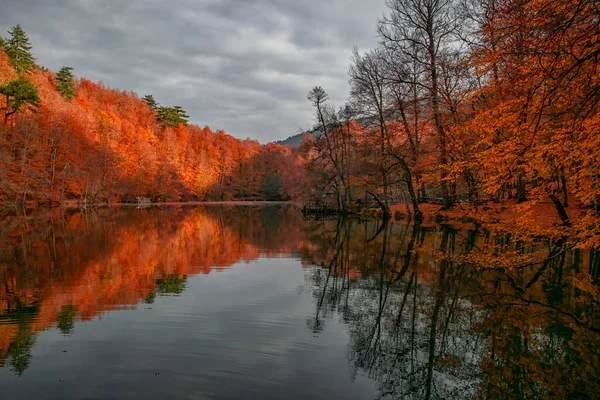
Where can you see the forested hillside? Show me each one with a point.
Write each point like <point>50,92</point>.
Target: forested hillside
<point>63,138</point>
<point>483,101</point>
<point>296,140</point>
<point>292,141</point>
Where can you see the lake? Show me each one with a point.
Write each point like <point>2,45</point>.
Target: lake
<point>256,302</point>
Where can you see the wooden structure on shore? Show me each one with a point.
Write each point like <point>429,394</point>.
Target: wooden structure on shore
<point>314,207</point>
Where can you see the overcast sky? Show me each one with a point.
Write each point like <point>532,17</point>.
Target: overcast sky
<point>244,66</point>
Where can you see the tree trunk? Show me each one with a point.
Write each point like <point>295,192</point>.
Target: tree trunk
<point>435,104</point>
<point>521,192</point>
<point>563,180</point>
<point>411,190</point>
<point>384,208</point>
<point>562,212</point>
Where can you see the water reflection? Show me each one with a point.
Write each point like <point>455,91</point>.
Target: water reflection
<point>58,266</point>
<point>429,313</point>
<point>425,326</point>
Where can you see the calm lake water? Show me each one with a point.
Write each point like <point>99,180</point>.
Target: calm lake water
<point>248,302</point>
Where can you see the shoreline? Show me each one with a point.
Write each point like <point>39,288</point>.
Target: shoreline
<point>77,204</point>
<point>508,214</point>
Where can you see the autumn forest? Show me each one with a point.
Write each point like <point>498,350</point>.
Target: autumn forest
<point>473,102</point>
<point>65,138</point>
<point>479,110</point>
<point>434,235</point>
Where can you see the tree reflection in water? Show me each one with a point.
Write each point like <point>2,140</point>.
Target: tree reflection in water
<point>432,312</point>
<point>425,325</point>
<point>61,266</point>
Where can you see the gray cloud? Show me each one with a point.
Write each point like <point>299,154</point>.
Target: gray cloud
<point>238,65</point>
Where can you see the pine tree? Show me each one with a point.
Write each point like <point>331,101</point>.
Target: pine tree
<point>270,187</point>
<point>172,116</point>
<point>149,100</point>
<point>18,49</point>
<point>168,116</point>
<point>181,115</point>
<point>19,93</point>
<point>66,82</point>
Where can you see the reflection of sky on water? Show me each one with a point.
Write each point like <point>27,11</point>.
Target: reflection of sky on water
<point>241,331</point>
<point>222,302</point>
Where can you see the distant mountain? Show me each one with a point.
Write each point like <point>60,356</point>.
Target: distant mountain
<point>292,141</point>
<point>296,140</point>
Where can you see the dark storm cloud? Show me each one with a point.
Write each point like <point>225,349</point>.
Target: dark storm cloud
<point>238,65</point>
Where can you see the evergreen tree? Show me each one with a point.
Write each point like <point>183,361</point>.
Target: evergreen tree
<point>181,115</point>
<point>66,82</point>
<point>172,116</point>
<point>149,100</point>
<point>19,94</point>
<point>168,116</point>
<point>18,49</point>
<point>270,187</point>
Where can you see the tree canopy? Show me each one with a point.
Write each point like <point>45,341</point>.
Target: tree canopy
<point>18,49</point>
<point>172,116</point>
<point>167,116</point>
<point>19,94</point>
<point>149,100</point>
<point>66,82</point>
<point>271,188</point>
<point>109,145</point>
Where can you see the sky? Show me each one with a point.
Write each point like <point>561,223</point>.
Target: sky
<point>243,66</point>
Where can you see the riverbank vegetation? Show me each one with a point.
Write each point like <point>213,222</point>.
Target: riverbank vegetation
<point>485,105</point>
<point>485,109</point>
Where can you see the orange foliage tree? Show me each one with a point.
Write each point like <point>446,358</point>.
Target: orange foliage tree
<point>501,109</point>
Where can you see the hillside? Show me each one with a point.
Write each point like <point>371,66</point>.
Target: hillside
<point>296,140</point>
<point>67,138</point>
